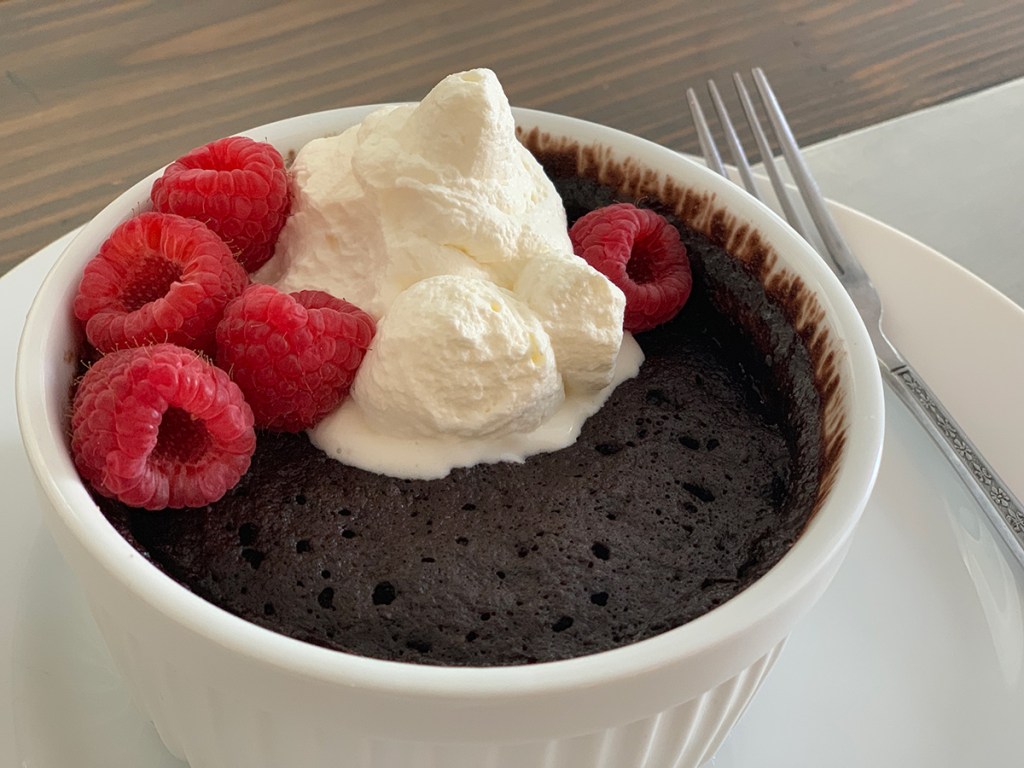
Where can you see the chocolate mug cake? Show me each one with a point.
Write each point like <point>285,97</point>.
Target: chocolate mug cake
<point>583,535</point>
<point>689,484</point>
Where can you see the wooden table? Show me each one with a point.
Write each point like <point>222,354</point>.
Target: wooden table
<point>96,94</point>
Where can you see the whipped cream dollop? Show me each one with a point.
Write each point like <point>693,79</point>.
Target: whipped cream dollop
<point>495,373</point>
<point>494,341</point>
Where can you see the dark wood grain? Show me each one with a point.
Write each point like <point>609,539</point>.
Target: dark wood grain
<point>94,95</point>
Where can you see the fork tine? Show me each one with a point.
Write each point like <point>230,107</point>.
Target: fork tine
<point>707,142</point>
<point>844,260</point>
<point>768,159</point>
<point>739,157</point>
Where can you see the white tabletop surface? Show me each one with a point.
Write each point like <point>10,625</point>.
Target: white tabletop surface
<point>950,176</point>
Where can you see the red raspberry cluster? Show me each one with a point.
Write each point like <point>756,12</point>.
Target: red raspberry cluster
<point>237,187</point>
<point>159,426</point>
<point>158,277</point>
<point>155,423</point>
<point>640,251</point>
<point>326,339</point>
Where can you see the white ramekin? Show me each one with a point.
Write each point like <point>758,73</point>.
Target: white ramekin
<point>223,692</point>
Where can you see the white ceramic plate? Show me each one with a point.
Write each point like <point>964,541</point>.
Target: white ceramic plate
<point>913,658</point>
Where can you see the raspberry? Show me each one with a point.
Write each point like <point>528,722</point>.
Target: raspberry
<point>294,355</point>
<point>157,278</point>
<point>160,426</point>
<point>639,251</point>
<point>236,186</point>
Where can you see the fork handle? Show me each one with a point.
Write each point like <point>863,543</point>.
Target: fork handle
<point>988,489</point>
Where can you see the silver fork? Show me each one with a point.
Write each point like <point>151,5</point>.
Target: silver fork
<point>988,489</point>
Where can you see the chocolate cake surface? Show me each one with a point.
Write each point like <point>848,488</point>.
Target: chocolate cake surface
<point>692,481</point>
